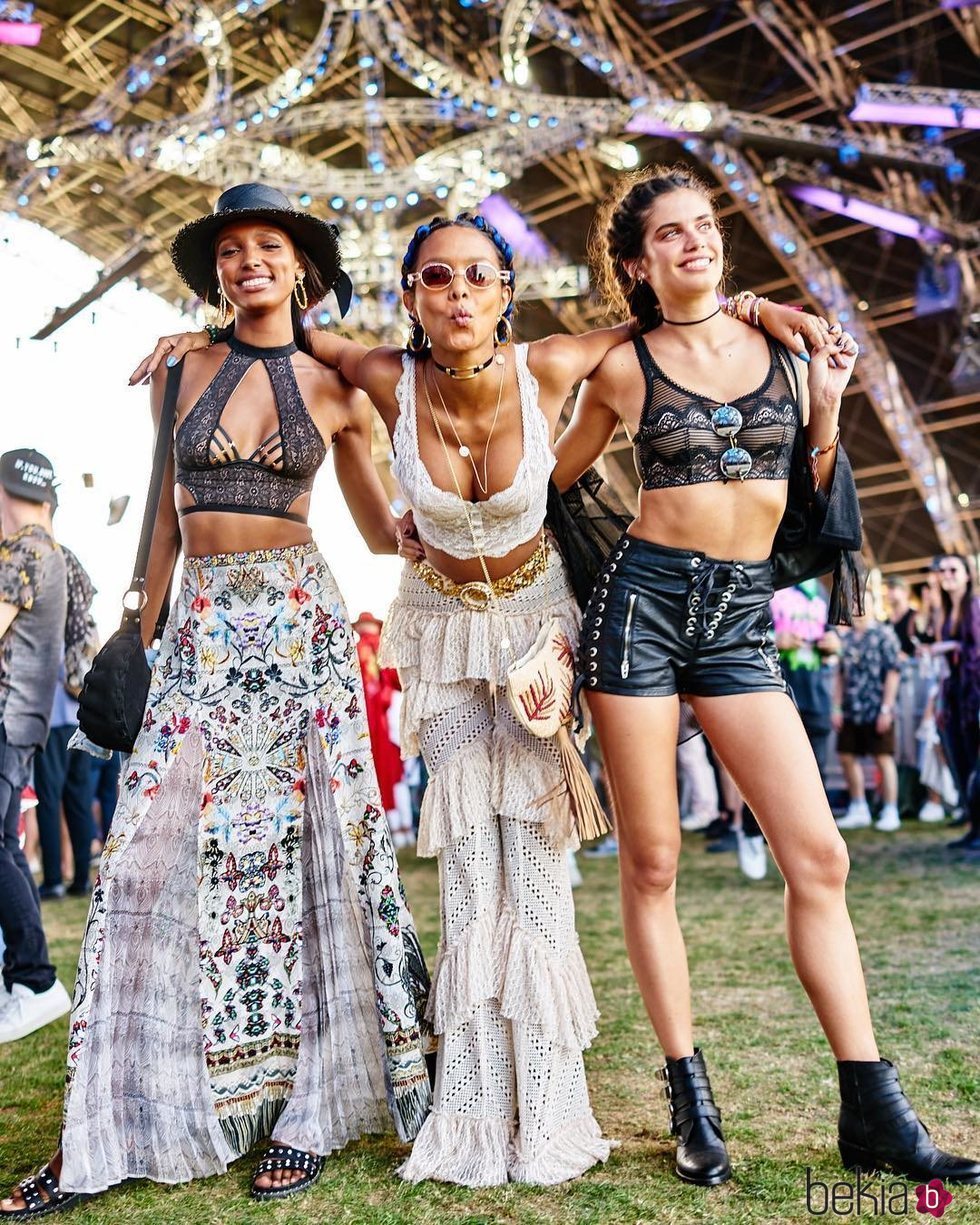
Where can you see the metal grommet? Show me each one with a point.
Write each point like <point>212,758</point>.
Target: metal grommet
<point>692,620</point>
<point>612,568</point>
<point>689,631</point>
<point>593,650</point>
<point>604,592</point>
<point>695,561</point>
<point>710,634</point>
<point>695,599</point>
<point>593,681</point>
<point>595,635</point>
<point>600,608</point>
<point>739,566</point>
<point>594,666</point>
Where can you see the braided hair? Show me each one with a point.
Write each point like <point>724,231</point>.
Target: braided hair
<point>617,240</point>
<point>475,221</point>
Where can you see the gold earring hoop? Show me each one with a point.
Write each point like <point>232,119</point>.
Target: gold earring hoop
<point>300,289</point>
<point>417,341</point>
<point>503,333</point>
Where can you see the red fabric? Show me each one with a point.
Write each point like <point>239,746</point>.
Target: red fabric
<point>379,685</point>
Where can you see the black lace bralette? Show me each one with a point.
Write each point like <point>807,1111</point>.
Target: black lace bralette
<point>676,444</point>
<point>280,469</point>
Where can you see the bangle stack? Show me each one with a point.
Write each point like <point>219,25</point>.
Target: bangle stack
<point>745,305</point>
<point>213,332</point>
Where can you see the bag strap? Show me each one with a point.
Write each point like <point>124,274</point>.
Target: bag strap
<point>164,440</point>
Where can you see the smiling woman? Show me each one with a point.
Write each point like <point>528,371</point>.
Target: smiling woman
<point>249,966</point>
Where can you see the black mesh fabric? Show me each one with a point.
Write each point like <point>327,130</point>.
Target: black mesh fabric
<point>675,443</point>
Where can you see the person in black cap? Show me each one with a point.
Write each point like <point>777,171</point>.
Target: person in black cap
<point>249,967</point>
<point>32,622</point>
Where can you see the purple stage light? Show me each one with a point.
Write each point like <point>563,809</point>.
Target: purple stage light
<point>959,4</point>
<point>921,114</point>
<point>861,210</point>
<point>20,33</point>
<point>527,243</point>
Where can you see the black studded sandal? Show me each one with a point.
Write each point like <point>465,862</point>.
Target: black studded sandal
<point>282,1157</point>
<point>35,1204</point>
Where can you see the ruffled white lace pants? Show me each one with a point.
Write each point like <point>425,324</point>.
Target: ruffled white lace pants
<point>511,998</point>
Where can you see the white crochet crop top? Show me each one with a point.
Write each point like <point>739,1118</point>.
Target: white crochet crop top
<point>507,518</point>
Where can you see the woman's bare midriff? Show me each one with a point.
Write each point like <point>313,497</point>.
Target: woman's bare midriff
<point>208,532</point>
<point>734,520</point>
<point>469,570</point>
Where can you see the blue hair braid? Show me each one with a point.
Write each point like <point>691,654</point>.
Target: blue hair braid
<point>475,221</point>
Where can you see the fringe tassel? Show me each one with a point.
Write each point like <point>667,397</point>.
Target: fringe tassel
<point>590,820</point>
<point>411,1108</point>
<point>243,1131</point>
<point>574,1150</point>
<point>462,1149</point>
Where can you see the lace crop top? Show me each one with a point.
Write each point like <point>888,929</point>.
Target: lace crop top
<point>280,469</point>
<point>676,444</point>
<point>507,518</point>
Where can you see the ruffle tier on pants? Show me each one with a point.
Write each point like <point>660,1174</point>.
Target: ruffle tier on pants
<point>511,999</point>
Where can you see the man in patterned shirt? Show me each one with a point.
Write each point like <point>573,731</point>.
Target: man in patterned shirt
<point>863,717</point>
<point>33,602</point>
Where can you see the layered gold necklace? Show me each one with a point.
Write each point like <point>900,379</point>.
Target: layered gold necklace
<point>462,448</point>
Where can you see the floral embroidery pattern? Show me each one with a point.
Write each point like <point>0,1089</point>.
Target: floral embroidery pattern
<point>258,661</point>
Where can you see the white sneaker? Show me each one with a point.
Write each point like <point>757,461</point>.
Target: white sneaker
<point>694,821</point>
<point>889,821</point>
<point>931,810</point>
<point>858,816</point>
<point>752,857</point>
<point>23,1011</point>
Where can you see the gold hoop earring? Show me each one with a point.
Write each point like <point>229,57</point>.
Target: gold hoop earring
<point>299,288</point>
<point>417,341</point>
<point>503,333</point>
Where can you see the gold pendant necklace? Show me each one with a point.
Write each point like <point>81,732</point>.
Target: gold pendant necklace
<point>463,449</point>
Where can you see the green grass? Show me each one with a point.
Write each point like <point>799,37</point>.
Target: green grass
<point>917,915</point>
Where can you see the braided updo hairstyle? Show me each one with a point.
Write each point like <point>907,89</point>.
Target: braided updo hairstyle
<point>617,239</point>
<point>476,221</point>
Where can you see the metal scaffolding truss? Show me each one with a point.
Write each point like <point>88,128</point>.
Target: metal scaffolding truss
<point>127,119</point>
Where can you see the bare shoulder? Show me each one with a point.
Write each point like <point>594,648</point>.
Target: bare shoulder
<point>550,356</point>
<point>618,365</point>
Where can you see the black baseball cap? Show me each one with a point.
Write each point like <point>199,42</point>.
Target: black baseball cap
<point>29,475</point>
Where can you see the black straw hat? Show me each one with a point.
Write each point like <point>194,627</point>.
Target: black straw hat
<point>192,250</point>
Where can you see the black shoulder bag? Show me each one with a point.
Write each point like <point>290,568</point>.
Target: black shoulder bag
<point>113,697</point>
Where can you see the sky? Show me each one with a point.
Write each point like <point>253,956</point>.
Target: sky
<point>69,398</point>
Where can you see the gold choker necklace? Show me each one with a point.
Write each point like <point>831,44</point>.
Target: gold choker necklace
<point>467,372</point>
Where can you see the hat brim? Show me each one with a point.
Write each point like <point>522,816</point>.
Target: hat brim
<point>192,249</point>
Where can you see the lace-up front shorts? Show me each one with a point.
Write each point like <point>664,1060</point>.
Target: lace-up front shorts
<point>663,621</point>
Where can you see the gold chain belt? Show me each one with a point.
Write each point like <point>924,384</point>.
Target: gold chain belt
<point>476,596</point>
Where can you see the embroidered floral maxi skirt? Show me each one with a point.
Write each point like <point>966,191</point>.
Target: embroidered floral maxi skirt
<point>511,998</point>
<point>249,965</point>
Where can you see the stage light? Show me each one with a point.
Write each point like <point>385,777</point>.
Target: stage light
<point>922,106</point>
<point>861,210</point>
<point>618,154</point>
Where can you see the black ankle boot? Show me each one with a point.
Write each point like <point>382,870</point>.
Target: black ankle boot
<point>696,1121</point>
<point>879,1130</point>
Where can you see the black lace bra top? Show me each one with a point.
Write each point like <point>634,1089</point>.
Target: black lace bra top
<point>686,439</point>
<point>280,469</point>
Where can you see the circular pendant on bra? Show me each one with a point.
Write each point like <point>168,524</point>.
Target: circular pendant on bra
<point>735,464</point>
<point>464,451</point>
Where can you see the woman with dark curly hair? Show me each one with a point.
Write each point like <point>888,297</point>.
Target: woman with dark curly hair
<point>249,967</point>
<point>723,432</point>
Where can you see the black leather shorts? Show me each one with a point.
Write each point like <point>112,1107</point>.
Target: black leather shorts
<point>664,621</point>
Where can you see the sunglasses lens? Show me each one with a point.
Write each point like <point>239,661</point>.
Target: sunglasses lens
<point>436,276</point>
<point>735,464</point>
<point>726,421</point>
<point>481,276</point>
